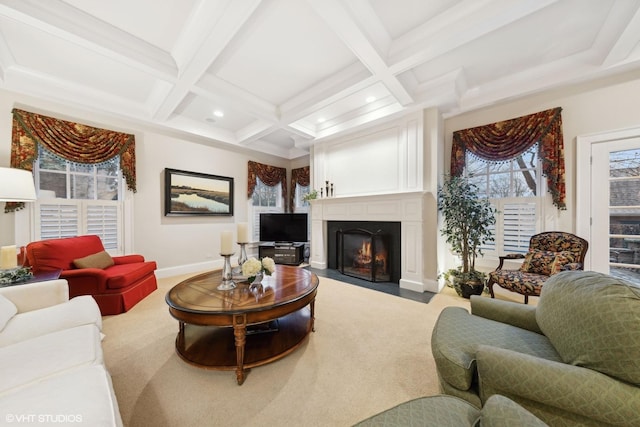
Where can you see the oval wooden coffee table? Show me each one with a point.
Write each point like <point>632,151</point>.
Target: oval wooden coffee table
<point>247,326</point>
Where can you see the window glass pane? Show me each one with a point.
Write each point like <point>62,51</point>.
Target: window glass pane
<point>524,184</point>
<point>82,187</point>
<point>109,168</point>
<point>625,192</point>
<point>55,182</point>
<point>500,185</point>
<point>107,188</point>
<point>624,163</point>
<point>82,168</point>
<point>50,161</point>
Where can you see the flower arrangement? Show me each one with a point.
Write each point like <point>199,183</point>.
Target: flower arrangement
<point>252,267</point>
<point>312,195</point>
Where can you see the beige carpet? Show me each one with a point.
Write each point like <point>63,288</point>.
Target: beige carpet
<point>370,352</point>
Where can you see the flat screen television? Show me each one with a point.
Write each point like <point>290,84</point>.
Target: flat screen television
<point>283,227</point>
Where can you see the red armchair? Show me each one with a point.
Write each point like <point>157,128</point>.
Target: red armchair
<point>116,283</point>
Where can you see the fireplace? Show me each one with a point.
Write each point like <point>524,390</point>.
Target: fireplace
<point>364,254</point>
<point>367,250</point>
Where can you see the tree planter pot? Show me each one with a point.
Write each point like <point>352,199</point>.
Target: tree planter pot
<point>471,288</point>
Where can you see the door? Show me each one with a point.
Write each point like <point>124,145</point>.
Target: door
<point>615,208</point>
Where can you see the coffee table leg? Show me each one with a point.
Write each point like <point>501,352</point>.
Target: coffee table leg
<point>312,306</point>
<point>240,334</point>
<point>180,340</point>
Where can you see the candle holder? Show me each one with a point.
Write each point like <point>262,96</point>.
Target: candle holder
<point>242,258</point>
<point>227,284</point>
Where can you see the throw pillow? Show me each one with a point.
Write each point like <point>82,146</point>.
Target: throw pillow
<point>561,259</point>
<point>538,262</point>
<point>7,311</point>
<point>593,320</point>
<point>100,260</point>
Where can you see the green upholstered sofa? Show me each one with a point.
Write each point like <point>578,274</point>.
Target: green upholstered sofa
<point>572,360</point>
<point>448,411</point>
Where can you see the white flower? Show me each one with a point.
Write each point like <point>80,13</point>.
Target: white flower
<point>251,267</point>
<point>269,265</point>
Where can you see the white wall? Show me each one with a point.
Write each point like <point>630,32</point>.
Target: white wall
<point>173,242</point>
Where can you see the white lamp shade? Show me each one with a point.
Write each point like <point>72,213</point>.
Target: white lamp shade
<point>16,185</point>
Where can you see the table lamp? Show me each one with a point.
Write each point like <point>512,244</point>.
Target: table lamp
<point>16,185</point>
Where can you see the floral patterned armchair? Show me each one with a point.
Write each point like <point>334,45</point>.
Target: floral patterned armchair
<point>549,253</point>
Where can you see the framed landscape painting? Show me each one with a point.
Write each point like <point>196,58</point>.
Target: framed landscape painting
<point>193,193</point>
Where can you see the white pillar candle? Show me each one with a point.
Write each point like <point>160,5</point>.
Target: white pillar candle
<point>226,243</point>
<point>243,232</point>
<point>8,257</point>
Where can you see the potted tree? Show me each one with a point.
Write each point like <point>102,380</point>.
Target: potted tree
<point>467,221</point>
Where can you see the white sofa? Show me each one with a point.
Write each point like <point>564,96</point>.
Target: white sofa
<point>51,365</point>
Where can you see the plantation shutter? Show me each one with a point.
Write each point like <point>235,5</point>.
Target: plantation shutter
<point>103,219</point>
<point>519,224</point>
<point>58,219</point>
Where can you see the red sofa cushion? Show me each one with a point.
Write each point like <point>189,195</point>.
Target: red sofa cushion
<point>123,275</point>
<point>54,254</point>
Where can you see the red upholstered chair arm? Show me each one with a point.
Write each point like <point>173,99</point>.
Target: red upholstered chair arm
<point>83,281</point>
<point>128,259</point>
<point>508,256</point>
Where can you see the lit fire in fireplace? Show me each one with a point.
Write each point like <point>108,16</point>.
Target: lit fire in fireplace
<point>363,258</point>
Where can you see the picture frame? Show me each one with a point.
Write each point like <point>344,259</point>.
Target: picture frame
<point>194,193</point>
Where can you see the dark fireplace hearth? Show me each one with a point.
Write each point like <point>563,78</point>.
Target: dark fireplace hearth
<point>368,250</point>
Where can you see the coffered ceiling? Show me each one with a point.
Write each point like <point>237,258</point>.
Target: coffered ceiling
<point>278,75</point>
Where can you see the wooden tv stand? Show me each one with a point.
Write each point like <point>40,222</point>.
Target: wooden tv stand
<point>283,253</point>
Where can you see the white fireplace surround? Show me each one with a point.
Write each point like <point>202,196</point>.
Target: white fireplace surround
<point>406,208</point>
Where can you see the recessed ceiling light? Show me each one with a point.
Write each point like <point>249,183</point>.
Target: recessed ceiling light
<point>370,98</point>
<point>321,119</point>
<point>218,113</point>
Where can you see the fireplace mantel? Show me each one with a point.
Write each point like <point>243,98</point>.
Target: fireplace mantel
<point>407,208</point>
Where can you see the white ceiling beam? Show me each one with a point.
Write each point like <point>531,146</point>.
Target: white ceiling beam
<point>457,26</point>
<point>212,44</point>
<point>61,20</point>
<point>341,22</point>
<point>620,34</point>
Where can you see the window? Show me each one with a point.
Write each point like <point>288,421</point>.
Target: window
<point>264,199</point>
<point>76,199</point>
<point>299,203</point>
<point>514,188</point>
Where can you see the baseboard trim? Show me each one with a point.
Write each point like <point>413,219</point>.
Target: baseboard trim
<point>188,268</point>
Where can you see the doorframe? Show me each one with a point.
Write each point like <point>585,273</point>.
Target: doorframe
<point>584,146</point>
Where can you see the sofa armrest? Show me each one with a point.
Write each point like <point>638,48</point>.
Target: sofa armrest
<point>557,389</point>
<point>515,314</point>
<point>86,279</point>
<point>128,259</point>
<point>34,296</point>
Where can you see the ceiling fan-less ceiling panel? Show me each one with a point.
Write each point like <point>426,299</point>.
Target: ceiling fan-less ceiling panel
<point>519,46</point>
<point>71,64</point>
<point>215,113</point>
<point>159,24</point>
<point>287,50</point>
<point>413,13</point>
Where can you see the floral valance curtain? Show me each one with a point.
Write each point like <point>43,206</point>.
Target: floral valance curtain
<point>299,176</point>
<point>506,140</point>
<point>74,142</point>
<point>269,175</point>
